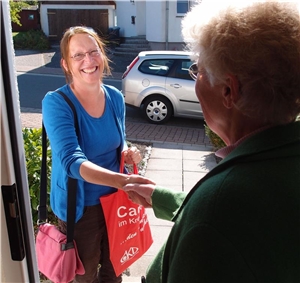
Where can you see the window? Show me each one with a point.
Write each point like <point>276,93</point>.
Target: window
<point>158,67</point>
<point>183,6</point>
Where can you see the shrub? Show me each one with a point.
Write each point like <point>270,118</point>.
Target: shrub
<point>33,39</point>
<point>33,155</point>
<point>216,141</point>
<point>15,8</point>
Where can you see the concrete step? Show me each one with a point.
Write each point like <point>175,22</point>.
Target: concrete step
<point>132,46</point>
<point>135,45</point>
<point>129,55</point>
<point>141,40</point>
<point>135,41</point>
<point>130,50</point>
<point>142,37</point>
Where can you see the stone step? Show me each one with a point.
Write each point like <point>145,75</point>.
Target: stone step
<point>130,50</point>
<point>132,46</point>
<point>129,55</point>
<point>135,45</point>
<point>135,39</point>
<point>143,37</point>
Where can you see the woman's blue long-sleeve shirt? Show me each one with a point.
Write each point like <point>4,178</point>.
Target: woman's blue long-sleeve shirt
<point>100,141</point>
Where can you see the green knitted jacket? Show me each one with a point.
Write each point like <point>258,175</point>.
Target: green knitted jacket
<point>241,222</point>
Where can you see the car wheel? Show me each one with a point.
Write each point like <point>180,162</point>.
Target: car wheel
<point>157,109</point>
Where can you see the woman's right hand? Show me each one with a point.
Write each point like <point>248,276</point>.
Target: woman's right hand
<point>140,193</point>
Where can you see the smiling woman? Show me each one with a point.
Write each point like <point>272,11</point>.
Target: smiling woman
<point>92,155</point>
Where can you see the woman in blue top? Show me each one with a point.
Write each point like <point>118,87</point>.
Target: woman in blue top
<point>92,157</point>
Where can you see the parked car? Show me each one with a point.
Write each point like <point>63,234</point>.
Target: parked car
<point>158,82</point>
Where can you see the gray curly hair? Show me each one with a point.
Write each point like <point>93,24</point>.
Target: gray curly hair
<point>259,43</point>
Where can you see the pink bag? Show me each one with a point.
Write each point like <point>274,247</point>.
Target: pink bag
<point>128,229</point>
<point>57,255</point>
<point>60,266</point>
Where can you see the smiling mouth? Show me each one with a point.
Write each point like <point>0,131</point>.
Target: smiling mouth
<point>90,71</point>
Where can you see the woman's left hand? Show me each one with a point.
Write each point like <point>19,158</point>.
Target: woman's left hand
<point>132,155</point>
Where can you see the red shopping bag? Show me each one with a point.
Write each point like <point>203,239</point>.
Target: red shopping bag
<point>128,229</point>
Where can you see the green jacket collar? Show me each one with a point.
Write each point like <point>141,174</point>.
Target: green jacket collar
<point>259,146</point>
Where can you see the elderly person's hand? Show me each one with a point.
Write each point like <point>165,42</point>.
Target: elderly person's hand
<point>136,198</point>
<point>132,155</point>
<point>140,193</point>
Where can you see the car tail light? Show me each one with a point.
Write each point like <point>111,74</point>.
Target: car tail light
<point>130,67</point>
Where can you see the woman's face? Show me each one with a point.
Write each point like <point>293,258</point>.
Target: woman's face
<point>210,98</point>
<point>88,68</point>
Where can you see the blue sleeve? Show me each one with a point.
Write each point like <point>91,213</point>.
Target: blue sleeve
<point>58,120</point>
<point>118,104</point>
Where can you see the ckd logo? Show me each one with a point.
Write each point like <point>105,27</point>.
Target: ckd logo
<point>129,254</point>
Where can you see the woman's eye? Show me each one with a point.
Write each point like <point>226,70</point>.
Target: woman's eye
<point>78,56</point>
<point>95,53</point>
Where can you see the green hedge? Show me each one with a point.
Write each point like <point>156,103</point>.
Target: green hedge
<point>33,40</point>
<point>33,154</point>
<point>216,141</point>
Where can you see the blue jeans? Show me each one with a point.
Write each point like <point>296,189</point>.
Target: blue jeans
<point>90,235</point>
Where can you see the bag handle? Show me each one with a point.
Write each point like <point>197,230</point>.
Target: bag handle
<point>122,165</point>
<point>72,185</point>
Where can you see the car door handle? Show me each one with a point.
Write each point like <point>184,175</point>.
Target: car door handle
<point>175,85</point>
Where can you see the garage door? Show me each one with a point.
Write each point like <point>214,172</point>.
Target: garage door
<point>61,19</point>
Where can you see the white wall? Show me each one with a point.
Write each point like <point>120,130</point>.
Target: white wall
<point>174,23</point>
<point>155,21</point>
<point>163,23</point>
<point>140,20</point>
<point>124,11</point>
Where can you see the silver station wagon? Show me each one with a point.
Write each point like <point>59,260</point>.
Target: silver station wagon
<point>158,82</point>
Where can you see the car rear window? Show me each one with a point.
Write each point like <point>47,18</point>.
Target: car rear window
<point>159,67</point>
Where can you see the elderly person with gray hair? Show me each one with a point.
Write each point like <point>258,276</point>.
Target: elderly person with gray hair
<point>241,222</point>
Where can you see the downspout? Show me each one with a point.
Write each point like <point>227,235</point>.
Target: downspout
<point>167,24</point>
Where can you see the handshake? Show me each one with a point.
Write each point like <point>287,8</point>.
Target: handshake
<point>140,193</point>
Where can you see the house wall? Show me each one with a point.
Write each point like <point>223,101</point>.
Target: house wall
<point>141,16</point>
<point>29,19</point>
<point>124,11</point>
<point>156,19</point>
<point>45,7</point>
<point>163,33</point>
